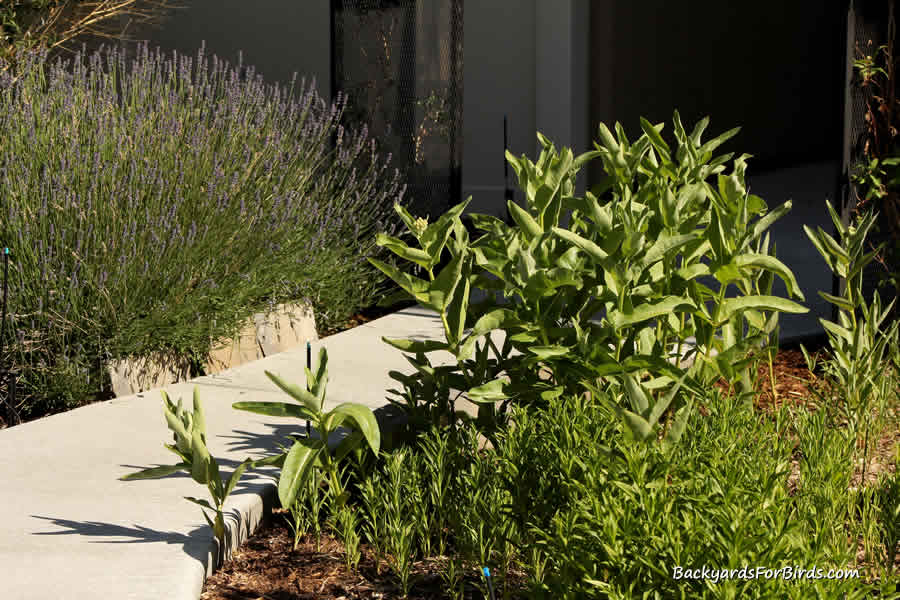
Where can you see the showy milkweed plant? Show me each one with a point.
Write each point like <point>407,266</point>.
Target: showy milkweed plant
<point>155,203</point>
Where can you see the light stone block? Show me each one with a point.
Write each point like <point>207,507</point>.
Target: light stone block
<point>264,334</point>
<point>288,326</point>
<point>133,375</point>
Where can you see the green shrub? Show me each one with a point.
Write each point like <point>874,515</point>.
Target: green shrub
<point>636,249</point>
<point>574,489</point>
<point>155,204</point>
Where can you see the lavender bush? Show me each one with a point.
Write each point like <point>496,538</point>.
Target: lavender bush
<point>153,204</point>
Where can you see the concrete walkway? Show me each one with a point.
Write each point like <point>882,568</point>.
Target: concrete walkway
<point>72,530</point>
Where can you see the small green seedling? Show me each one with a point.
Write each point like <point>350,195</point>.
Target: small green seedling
<point>190,445</point>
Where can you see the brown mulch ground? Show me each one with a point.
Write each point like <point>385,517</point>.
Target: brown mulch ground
<point>267,567</point>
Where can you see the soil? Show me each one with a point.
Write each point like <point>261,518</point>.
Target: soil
<point>267,568</point>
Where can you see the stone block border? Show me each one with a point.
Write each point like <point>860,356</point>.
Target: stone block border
<point>264,334</point>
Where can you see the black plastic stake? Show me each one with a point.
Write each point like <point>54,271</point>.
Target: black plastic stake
<point>5,272</point>
<point>308,366</point>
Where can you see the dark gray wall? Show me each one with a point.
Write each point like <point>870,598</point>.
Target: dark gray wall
<point>772,67</point>
<point>278,37</point>
<point>499,78</point>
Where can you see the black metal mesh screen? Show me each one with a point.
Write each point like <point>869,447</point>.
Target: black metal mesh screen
<point>870,30</point>
<point>399,62</point>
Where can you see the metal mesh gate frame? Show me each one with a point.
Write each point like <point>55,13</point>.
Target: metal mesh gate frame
<point>399,65</point>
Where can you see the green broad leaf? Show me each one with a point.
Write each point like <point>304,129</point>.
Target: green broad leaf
<point>755,319</point>
<point>201,458</point>
<point>668,206</point>
<point>731,306</point>
<point>772,264</point>
<point>820,248</point>
<point>491,391</point>
<point>652,132</point>
<point>727,273</point>
<point>836,251</point>
<point>601,215</point>
<point>399,247</point>
<point>699,128</point>
<point>525,221</point>
<point>495,319</point>
<point>416,287</point>
<point>553,393</point>
<point>569,259</point>
<point>583,159</point>
<point>297,465</point>
<point>182,440</point>
<point>663,403</point>
<point>363,420</point>
<point>523,337</point>
<point>236,476</point>
<point>552,179</point>
<point>199,419</point>
<point>639,427</point>
<point>693,271</point>
<point>842,303</point>
<point>347,445</point>
<point>676,429</point>
<point>215,479</point>
<point>837,330</point>
<point>156,472</point>
<point>200,502</point>
<point>341,500</point>
<point>185,457</point>
<point>544,352</point>
<point>269,461</point>
<point>756,205</point>
<point>318,384</point>
<point>415,345</point>
<point>607,139</point>
<point>297,393</point>
<point>595,251</point>
<point>441,289</point>
<point>648,311</point>
<point>456,312</point>
<point>464,350</point>
<point>487,222</point>
<point>276,409</point>
<point>219,526</point>
<point>636,394</point>
<point>663,246</point>
<point>709,147</point>
<point>407,218</point>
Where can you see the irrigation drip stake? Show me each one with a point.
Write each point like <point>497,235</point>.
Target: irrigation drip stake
<point>308,366</point>
<point>487,575</point>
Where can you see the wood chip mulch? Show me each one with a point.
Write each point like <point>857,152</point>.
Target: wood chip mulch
<point>267,567</point>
